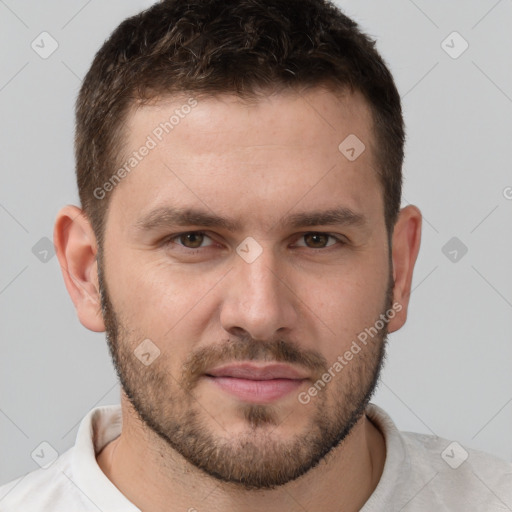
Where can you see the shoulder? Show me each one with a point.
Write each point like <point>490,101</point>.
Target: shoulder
<point>74,481</point>
<point>428,472</point>
<point>457,461</point>
<point>458,475</point>
<point>42,489</point>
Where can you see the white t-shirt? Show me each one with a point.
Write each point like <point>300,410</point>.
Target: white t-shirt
<point>422,473</point>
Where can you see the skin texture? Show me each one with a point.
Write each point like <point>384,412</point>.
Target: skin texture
<point>185,442</point>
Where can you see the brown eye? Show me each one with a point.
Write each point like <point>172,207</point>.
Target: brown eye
<point>319,240</point>
<point>316,240</point>
<point>192,240</point>
<point>189,240</point>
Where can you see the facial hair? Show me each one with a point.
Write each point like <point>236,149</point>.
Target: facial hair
<point>255,459</point>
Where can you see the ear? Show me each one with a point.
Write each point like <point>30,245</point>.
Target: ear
<point>406,245</point>
<point>76,247</point>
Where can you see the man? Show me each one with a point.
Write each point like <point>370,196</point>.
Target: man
<point>241,242</point>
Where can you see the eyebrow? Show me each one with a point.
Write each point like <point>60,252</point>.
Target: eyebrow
<point>166,216</point>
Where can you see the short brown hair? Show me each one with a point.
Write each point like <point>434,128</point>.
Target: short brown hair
<point>209,47</point>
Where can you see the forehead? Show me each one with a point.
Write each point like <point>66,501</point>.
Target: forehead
<point>316,117</point>
<point>268,154</point>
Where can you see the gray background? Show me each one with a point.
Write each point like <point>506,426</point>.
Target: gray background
<point>449,368</point>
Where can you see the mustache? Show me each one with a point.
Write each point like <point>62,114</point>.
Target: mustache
<point>247,349</point>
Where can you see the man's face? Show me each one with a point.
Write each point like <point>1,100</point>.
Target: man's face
<point>206,301</point>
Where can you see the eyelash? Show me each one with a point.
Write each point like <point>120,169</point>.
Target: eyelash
<point>170,240</point>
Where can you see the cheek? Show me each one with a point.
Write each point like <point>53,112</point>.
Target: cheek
<point>350,302</point>
<point>346,305</point>
<point>162,303</point>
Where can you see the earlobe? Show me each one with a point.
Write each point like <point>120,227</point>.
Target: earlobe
<point>406,246</point>
<point>76,247</point>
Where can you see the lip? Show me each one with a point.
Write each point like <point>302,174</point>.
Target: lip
<point>260,384</point>
<point>251,371</point>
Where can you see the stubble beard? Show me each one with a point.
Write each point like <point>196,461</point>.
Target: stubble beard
<point>257,458</point>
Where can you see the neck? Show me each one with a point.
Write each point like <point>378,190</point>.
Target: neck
<point>154,477</point>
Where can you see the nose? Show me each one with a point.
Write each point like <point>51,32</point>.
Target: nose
<point>258,299</point>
